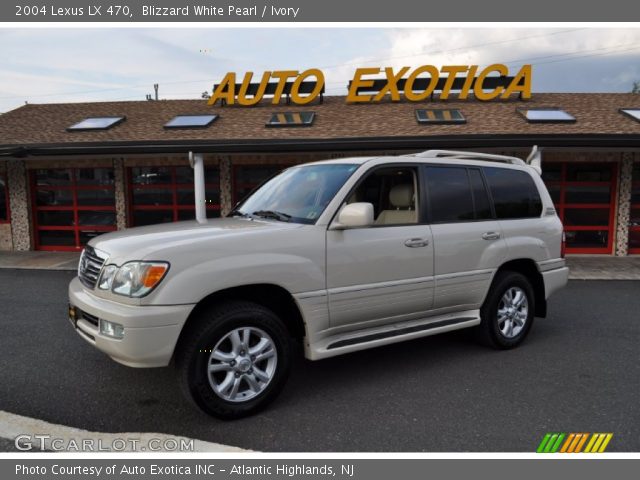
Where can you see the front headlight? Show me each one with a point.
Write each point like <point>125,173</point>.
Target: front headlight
<point>106,277</point>
<point>136,279</point>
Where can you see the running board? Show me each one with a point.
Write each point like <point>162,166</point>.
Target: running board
<point>398,332</point>
<point>374,337</point>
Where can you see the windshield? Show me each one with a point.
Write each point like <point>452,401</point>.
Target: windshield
<point>299,194</point>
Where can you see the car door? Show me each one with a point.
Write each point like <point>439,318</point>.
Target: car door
<point>467,239</point>
<point>383,273</point>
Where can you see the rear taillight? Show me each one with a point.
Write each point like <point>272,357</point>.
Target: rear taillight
<point>563,245</point>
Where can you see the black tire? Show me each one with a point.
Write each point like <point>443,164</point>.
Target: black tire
<point>193,356</point>
<point>489,331</point>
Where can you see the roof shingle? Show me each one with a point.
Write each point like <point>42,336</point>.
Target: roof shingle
<point>45,124</point>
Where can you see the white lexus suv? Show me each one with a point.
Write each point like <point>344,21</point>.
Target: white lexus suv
<point>340,255</point>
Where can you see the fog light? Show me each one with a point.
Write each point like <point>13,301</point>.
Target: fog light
<point>111,329</point>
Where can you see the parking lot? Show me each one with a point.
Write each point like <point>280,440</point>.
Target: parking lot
<point>579,371</point>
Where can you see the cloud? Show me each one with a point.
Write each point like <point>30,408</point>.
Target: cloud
<point>64,65</point>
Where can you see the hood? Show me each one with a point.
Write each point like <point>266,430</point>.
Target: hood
<point>140,243</point>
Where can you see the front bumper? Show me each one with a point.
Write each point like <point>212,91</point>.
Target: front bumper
<point>150,332</point>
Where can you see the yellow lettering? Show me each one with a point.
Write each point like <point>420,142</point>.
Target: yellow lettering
<point>392,85</point>
<point>225,90</point>
<point>525,88</point>
<point>452,70</point>
<point>358,82</point>
<point>295,94</point>
<point>471,74</point>
<point>477,88</point>
<point>246,82</point>
<point>282,76</point>
<point>408,86</point>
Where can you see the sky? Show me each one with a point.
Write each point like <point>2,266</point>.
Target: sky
<point>62,65</point>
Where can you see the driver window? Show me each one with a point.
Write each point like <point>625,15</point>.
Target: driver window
<point>393,194</point>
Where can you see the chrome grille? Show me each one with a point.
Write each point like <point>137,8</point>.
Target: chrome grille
<point>91,262</point>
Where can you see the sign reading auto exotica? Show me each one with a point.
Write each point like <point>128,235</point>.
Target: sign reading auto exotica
<point>366,87</point>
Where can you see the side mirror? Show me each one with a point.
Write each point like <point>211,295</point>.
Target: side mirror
<point>354,215</point>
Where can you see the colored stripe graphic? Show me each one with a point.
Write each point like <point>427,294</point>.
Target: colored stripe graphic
<point>574,442</point>
<point>598,442</point>
<point>581,443</point>
<point>550,443</point>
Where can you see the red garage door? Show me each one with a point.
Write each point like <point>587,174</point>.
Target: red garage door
<point>634,225</point>
<point>71,206</point>
<point>584,195</point>
<point>165,194</point>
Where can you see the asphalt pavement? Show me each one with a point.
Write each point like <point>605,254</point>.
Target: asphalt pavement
<point>579,371</point>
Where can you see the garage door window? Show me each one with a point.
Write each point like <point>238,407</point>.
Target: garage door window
<point>634,225</point>
<point>584,196</point>
<point>71,206</point>
<point>165,194</point>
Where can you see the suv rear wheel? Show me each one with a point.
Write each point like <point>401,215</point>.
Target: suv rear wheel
<point>508,312</point>
<point>234,360</point>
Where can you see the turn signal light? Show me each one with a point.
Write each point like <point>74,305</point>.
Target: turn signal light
<point>153,275</point>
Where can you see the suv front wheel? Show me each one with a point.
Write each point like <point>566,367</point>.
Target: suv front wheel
<point>508,311</point>
<point>234,360</point>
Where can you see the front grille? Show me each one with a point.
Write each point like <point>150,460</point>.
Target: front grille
<point>91,262</point>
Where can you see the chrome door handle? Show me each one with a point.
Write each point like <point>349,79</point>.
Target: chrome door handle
<point>416,242</point>
<point>491,235</point>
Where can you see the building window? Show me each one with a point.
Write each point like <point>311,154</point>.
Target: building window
<point>4,199</point>
<point>584,196</point>
<point>634,220</point>
<point>248,177</point>
<point>165,194</point>
<point>291,119</point>
<point>190,121</point>
<point>546,115</point>
<point>631,113</point>
<point>71,206</point>
<point>439,116</point>
<point>96,123</point>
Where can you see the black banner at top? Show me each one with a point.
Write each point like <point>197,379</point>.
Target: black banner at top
<point>20,11</point>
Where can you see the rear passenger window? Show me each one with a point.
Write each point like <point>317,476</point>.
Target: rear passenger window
<point>450,198</point>
<point>514,193</point>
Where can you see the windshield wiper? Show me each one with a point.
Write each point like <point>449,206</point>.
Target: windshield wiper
<point>283,217</point>
<point>238,213</point>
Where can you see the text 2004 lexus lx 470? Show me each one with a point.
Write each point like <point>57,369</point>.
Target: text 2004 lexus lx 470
<point>342,255</point>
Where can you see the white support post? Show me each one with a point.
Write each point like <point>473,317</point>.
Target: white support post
<point>197,163</point>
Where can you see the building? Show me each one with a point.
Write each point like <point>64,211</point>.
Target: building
<point>65,179</point>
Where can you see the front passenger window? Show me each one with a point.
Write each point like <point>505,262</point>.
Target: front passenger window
<point>393,192</point>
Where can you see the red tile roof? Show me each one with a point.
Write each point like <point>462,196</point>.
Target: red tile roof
<point>45,124</point>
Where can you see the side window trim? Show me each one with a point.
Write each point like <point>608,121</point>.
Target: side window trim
<point>487,191</point>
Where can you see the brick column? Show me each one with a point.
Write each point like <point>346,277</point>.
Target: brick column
<point>120,193</point>
<point>19,205</point>
<point>624,204</point>
<point>226,179</point>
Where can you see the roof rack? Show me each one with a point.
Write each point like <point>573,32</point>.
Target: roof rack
<point>534,159</point>
<point>468,155</point>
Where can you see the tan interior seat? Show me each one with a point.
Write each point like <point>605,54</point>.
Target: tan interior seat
<point>402,198</point>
